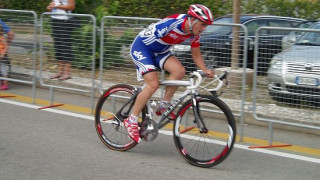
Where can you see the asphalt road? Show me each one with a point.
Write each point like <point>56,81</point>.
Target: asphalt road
<point>53,144</point>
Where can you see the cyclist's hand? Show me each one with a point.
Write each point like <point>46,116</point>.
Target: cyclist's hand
<point>209,73</point>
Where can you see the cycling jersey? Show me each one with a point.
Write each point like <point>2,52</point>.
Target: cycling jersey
<point>151,47</point>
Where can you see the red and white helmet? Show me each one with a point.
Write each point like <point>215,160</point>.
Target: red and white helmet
<point>201,12</point>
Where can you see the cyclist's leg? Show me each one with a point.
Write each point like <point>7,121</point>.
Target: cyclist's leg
<point>142,56</point>
<point>177,71</point>
<point>151,85</point>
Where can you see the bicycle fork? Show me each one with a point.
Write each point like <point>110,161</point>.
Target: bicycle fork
<point>198,118</point>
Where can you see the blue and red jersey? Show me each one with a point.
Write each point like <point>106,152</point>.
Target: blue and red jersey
<point>151,48</point>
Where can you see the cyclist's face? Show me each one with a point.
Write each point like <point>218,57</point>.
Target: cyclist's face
<point>199,27</point>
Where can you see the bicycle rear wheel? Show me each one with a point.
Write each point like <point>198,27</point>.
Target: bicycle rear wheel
<point>108,120</point>
<point>210,144</point>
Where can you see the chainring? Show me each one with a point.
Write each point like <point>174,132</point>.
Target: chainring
<point>148,130</point>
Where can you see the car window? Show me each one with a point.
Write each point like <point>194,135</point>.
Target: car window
<point>280,23</point>
<point>295,24</point>
<point>252,26</point>
<point>310,38</point>
<point>305,24</point>
<point>220,29</point>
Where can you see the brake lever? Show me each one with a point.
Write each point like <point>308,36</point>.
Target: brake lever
<point>227,83</point>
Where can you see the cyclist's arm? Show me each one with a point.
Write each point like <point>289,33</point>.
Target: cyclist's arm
<point>198,60</point>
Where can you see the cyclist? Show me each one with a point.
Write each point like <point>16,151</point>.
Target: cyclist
<point>151,50</point>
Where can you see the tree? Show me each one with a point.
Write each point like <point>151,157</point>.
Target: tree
<point>235,39</point>
<point>307,9</point>
<point>253,7</point>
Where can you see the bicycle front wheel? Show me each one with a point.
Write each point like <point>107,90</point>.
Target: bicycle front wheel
<point>108,119</point>
<point>205,141</point>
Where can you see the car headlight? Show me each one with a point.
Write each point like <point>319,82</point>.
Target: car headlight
<point>276,63</point>
<point>181,47</point>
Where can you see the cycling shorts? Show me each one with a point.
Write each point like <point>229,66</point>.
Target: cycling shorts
<point>145,59</point>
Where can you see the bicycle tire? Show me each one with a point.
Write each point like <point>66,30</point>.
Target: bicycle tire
<point>110,128</point>
<point>209,148</point>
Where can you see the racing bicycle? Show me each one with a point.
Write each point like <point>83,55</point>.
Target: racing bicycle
<point>204,128</point>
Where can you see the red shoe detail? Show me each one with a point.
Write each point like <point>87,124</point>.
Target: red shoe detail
<point>132,129</point>
<point>171,116</point>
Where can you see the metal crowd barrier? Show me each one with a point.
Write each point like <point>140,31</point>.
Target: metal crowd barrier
<point>278,97</point>
<point>78,36</point>
<point>22,50</point>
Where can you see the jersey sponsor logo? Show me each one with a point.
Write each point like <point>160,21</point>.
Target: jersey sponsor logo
<point>174,36</point>
<point>162,31</point>
<point>139,55</point>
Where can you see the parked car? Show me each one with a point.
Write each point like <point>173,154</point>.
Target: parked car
<point>294,74</point>
<point>290,39</point>
<point>216,41</point>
